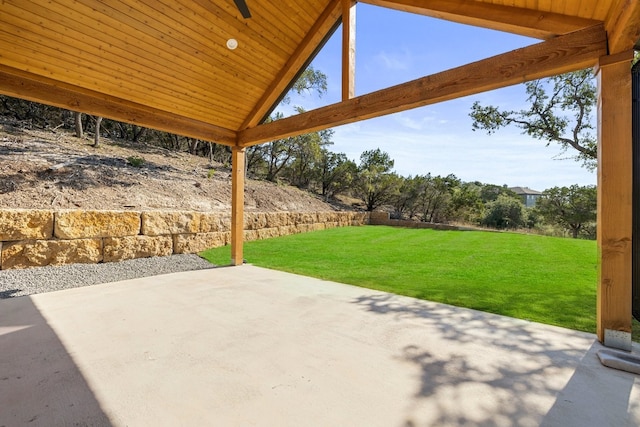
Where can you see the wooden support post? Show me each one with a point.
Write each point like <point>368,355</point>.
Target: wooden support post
<point>237,204</point>
<point>614,201</point>
<point>348,49</point>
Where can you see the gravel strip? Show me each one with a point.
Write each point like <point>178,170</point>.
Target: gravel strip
<point>15,283</point>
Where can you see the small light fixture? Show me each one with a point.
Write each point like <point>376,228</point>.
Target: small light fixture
<point>232,44</point>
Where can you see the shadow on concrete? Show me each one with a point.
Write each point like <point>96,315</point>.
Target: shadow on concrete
<point>586,399</point>
<point>520,389</point>
<point>39,382</point>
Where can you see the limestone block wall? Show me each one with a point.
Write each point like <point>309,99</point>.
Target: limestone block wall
<point>383,218</point>
<point>33,238</point>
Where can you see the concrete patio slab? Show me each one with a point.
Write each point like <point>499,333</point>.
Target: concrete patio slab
<point>247,346</point>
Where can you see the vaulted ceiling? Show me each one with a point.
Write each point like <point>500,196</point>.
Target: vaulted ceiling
<point>165,64</point>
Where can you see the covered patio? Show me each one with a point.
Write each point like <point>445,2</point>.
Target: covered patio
<point>250,346</point>
<point>247,346</point>
<point>215,70</point>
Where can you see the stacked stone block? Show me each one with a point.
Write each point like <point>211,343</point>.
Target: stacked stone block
<point>33,238</point>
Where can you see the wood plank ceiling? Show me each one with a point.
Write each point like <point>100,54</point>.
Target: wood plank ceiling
<point>165,63</point>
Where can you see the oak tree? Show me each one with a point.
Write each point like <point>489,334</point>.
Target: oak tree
<point>560,112</point>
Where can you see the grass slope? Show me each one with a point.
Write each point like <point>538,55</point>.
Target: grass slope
<point>543,279</point>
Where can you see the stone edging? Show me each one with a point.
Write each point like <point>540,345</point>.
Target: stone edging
<point>383,218</point>
<point>33,238</point>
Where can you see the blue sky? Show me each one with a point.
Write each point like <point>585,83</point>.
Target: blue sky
<point>395,47</point>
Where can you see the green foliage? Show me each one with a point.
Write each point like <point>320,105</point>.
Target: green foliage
<point>505,212</point>
<point>309,81</point>
<point>405,202</point>
<point>466,204</point>
<point>543,279</point>
<point>335,173</point>
<point>573,208</point>
<point>572,93</point>
<point>211,173</point>
<point>376,184</point>
<point>135,161</point>
<point>376,161</point>
<point>306,153</point>
<point>436,197</point>
<point>490,192</point>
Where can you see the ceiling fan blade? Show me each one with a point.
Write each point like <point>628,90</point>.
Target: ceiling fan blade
<point>242,7</point>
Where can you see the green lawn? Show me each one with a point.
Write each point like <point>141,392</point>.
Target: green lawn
<point>543,279</point>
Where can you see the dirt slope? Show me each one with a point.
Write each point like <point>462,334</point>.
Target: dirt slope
<point>46,169</point>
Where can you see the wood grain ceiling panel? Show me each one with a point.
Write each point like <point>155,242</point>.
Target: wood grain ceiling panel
<point>92,51</point>
<point>170,55</point>
<point>587,9</point>
<point>73,60</point>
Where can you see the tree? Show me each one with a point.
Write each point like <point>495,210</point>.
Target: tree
<point>435,197</point>
<point>405,202</point>
<point>78,124</point>
<point>466,204</point>
<point>310,80</point>
<point>37,114</point>
<point>306,153</point>
<point>570,207</point>
<point>376,184</point>
<point>490,192</point>
<point>96,138</point>
<point>573,93</point>
<point>255,160</point>
<point>277,156</point>
<point>334,173</point>
<point>504,212</point>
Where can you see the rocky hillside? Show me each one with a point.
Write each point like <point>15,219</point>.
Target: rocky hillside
<point>54,169</point>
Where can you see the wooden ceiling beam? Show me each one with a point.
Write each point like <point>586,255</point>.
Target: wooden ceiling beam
<point>348,49</point>
<point>623,25</point>
<point>577,50</point>
<point>300,58</point>
<point>21,84</point>
<point>525,22</point>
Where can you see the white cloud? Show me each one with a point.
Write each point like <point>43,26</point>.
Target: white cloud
<point>413,120</point>
<point>394,61</point>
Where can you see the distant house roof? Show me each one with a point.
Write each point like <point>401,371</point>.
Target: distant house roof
<point>521,191</point>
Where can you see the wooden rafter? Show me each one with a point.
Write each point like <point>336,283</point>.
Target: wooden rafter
<point>623,25</point>
<point>526,22</point>
<point>570,52</point>
<point>301,57</point>
<point>24,85</point>
<point>348,49</point>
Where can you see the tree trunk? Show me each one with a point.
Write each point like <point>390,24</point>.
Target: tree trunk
<point>96,139</point>
<point>78,122</point>
<point>138,132</point>
<point>193,146</point>
<point>575,230</point>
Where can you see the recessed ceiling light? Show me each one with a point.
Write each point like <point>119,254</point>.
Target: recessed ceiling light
<point>232,44</point>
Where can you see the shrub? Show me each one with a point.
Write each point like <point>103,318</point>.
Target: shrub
<point>504,212</point>
<point>135,161</point>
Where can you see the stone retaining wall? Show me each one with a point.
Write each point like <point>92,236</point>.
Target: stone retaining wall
<point>383,218</point>
<point>33,238</point>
